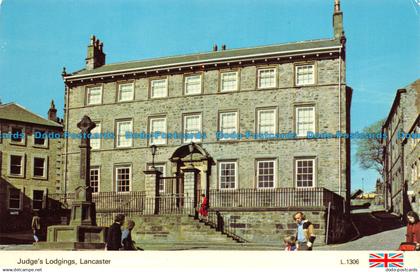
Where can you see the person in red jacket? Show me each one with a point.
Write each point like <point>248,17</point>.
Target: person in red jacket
<point>413,229</point>
<point>204,208</point>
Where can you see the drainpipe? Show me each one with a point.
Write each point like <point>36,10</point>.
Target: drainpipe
<point>67,98</point>
<point>339,121</point>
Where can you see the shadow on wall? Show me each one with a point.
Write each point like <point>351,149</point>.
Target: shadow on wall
<point>16,211</point>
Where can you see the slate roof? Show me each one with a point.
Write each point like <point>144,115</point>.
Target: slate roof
<point>15,112</point>
<point>211,56</point>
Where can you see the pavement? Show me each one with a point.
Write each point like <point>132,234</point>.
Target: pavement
<point>376,230</point>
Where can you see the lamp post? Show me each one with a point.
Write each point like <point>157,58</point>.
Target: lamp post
<point>153,149</point>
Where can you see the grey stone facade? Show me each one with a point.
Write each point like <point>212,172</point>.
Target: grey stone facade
<point>17,191</point>
<point>322,90</point>
<point>401,153</point>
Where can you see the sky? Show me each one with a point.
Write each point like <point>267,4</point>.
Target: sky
<point>39,38</point>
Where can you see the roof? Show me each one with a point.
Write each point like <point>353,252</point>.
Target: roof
<point>213,56</point>
<point>15,112</point>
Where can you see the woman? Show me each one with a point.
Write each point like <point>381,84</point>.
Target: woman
<point>413,229</point>
<point>203,210</point>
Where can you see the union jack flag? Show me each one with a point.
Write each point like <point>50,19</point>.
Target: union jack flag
<point>386,260</point>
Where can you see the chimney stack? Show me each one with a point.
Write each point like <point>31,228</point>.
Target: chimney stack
<point>52,112</point>
<point>338,20</point>
<point>95,54</point>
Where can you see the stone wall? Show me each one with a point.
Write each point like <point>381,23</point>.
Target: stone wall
<point>246,101</point>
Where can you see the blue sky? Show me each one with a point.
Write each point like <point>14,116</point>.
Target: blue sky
<point>38,38</point>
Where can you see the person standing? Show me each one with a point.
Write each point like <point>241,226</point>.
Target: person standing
<point>290,243</point>
<point>413,229</point>
<point>113,241</point>
<point>305,232</point>
<point>204,209</point>
<point>36,226</point>
<point>126,240</point>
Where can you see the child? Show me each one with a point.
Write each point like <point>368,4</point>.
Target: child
<point>290,243</point>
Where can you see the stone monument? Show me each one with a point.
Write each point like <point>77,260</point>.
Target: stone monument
<point>82,232</point>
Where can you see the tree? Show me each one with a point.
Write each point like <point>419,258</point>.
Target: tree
<point>369,151</point>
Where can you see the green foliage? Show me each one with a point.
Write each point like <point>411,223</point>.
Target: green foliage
<point>369,151</point>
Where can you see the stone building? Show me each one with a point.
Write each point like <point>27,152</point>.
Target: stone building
<point>30,165</point>
<point>401,151</point>
<point>283,91</point>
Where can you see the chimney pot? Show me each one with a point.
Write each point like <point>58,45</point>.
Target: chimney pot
<point>223,46</point>
<point>215,47</point>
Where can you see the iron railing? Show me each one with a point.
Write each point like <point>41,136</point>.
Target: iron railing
<point>274,198</point>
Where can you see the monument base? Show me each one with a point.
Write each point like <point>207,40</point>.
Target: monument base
<point>67,237</point>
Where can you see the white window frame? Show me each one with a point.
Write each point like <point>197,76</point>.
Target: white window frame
<point>33,199</point>
<point>20,199</point>
<point>257,174</point>
<point>297,67</point>
<point>221,125</point>
<point>118,136</point>
<point>297,120</point>
<point>313,172</point>
<point>258,125</point>
<point>98,168</point>
<point>130,177</point>
<point>186,84</point>
<point>45,167</point>
<point>220,174</point>
<point>96,146</point>
<point>22,165</point>
<point>185,117</point>
<point>45,139</point>
<point>222,75</point>
<point>120,86</point>
<point>88,94</point>
<point>160,140</point>
<point>261,70</point>
<point>152,82</point>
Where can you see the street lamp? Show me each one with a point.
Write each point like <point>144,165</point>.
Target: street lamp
<point>153,149</point>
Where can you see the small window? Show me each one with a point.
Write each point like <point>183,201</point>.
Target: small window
<point>122,128</point>
<point>305,173</point>
<point>305,120</point>
<point>229,82</point>
<point>266,170</point>
<point>17,135</point>
<point>94,178</point>
<point>157,126</point>
<point>123,178</point>
<point>95,140</point>
<point>227,175</point>
<point>125,92</point>
<point>266,78</point>
<point>192,85</point>
<point>39,138</point>
<point>16,165</point>
<point>228,122</point>
<point>305,75</point>
<point>192,126</point>
<point>39,169</point>
<point>14,199</point>
<point>159,88</point>
<point>37,199</point>
<point>266,121</point>
<point>94,95</point>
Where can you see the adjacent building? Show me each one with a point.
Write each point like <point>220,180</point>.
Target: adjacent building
<point>402,151</point>
<point>30,164</point>
<point>255,107</point>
